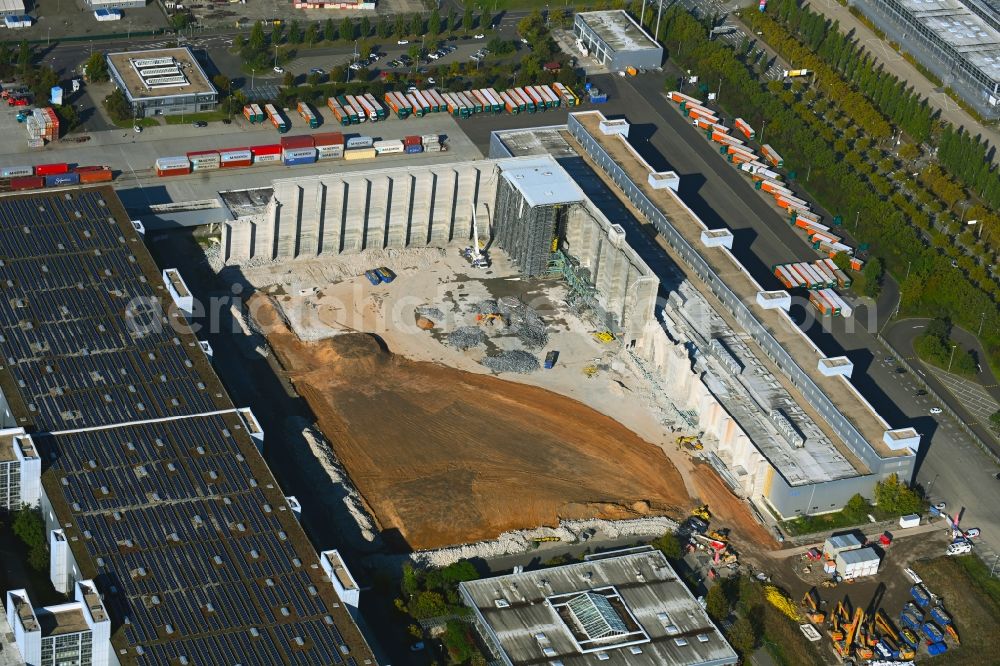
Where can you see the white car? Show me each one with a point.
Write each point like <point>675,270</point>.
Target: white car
<point>278,69</point>
<point>959,548</point>
<point>137,129</point>
<point>434,56</point>
<point>402,42</point>
<point>480,36</point>
<point>941,506</point>
<point>935,410</point>
<point>431,80</point>
<point>972,533</point>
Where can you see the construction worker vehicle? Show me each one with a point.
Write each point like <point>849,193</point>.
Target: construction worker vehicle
<point>811,603</point>
<point>702,512</point>
<point>690,442</point>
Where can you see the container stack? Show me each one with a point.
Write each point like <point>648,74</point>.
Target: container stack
<point>204,160</point>
<point>412,144</point>
<point>42,125</point>
<point>329,145</point>
<point>432,143</point>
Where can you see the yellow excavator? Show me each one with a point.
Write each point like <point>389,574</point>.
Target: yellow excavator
<point>604,336</point>
<point>889,634</point>
<point>488,319</point>
<point>838,621</point>
<point>690,442</point>
<point>702,512</point>
<point>810,601</point>
<point>845,647</point>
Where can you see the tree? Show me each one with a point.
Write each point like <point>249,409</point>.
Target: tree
<point>295,33</point>
<point>460,642</point>
<point>895,497</point>
<point>329,30</point>
<point>181,20</point>
<point>96,67</point>
<point>416,25</point>
<point>23,57</point>
<point>485,21</point>
<point>557,17</point>
<point>467,18</point>
<point>366,27</point>
<point>742,637</point>
<point>995,420</point>
<point>669,545</point>
<point>434,24</point>
<point>382,28</point>
<point>222,83</point>
<point>716,603</point>
<point>117,106</point>
<point>857,508</point>
<point>312,34</point>
<point>414,51</point>
<point>288,80</point>
<point>400,28</point>
<point>842,260</point>
<point>452,21</point>
<point>425,605</point>
<point>257,41</point>
<point>30,529</point>
<point>347,30</point>
<point>873,272</point>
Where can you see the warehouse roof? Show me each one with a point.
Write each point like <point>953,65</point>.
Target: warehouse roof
<point>155,477</point>
<point>618,30</point>
<point>629,608</point>
<point>159,73</point>
<point>858,555</point>
<point>963,29</point>
<point>541,181</point>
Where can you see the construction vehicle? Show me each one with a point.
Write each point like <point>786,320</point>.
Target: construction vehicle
<point>702,512</point>
<point>690,442</point>
<point>811,603</point>
<point>473,254</point>
<point>604,336</point>
<point>891,638</point>
<point>845,647</point>
<point>840,617</point>
<point>721,534</point>
<point>546,539</point>
<point>489,318</point>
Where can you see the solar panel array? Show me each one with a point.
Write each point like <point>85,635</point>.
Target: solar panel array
<point>198,557</point>
<point>79,328</point>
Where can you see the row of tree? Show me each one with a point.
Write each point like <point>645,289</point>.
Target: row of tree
<point>840,181</point>
<point>968,159</point>
<point>936,346</point>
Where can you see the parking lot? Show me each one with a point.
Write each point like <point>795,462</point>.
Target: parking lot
<point>57,19</point>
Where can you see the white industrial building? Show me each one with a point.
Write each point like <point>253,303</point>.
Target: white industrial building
<point>77,632</point>
<point>857,563</point>
<point>615,40</point>
<point>618,608</point>
<point>20,470</point>
<point>11,8</point>
<point>780,422</point>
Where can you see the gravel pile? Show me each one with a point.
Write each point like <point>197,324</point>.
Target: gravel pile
<point>429,312</point>
<point>487,307</point>
<point>467,337</point>
<point>512,361</point>
<point>526,323</point>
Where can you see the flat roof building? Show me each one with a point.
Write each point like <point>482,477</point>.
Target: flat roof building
<point>958,40</point>
<point>162,82</point>
<point>20,470</point>
<point>11,8</point>
<point>156,489</point>
<point>625,609</point>
<point>614,39</point>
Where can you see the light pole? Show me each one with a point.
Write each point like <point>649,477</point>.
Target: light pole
<point>48,36</point>
<point>763,125</point>
<point>952,357</point>
<point>275,55</point>
<point>982,319</point>
<point>252,72</point>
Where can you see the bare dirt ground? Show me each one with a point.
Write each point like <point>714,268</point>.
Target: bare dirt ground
<point>446,456</point>
<point>728,510</point>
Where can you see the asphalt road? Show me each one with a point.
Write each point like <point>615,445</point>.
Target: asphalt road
<point>956,470</point>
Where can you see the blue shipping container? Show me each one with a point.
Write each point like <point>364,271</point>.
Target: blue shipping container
<point>305,159</point>
<point>415,148</point>
<point>62,179</point>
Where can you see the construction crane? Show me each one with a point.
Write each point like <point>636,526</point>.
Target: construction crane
<point>473,253</point>
<point>810,601</point>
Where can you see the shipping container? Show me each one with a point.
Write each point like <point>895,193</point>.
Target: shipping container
<point>415,104</point>
<point>359,142</point>
<point>27,183</point>
<point>253,113</point>
<point>205,165</point>
<point>277,118</point>
<point>99,175</point>
<point>51,169</point>
<point>366,108</point>
<point>744,127</point>
<point>772,156</point>
<point>359,154</point>
<point>352,107</point>
<point>235,157</point>
<point>17,171</point>
<point>308,115</point>
<point>339,114</point>
<point>397,105</point>
<point>380,110</point>
<point>172,166</point>
<point>550,359</point>
<point>523,101</point>
<point>328,139</point>
<point>388,146</point>
<point>415,148</point>
<point>297,152</point>
<point>61,179</point>
<point>678,97</point>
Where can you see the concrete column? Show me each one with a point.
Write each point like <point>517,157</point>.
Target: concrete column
<point>355,214</point>
<point>421,206</point>
<point>334,218</point>
<point>288,224</point>
<point>314,217</point>
<point>445,200</point>
<point>379,193</point>
<point>399,210</point>
<point>466,196</point>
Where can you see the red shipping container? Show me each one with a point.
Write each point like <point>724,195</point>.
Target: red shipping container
<point>229,164</point>
<point>51,169</point>
<point>411,140</point>
<point>292,142</point>
<point>271,149</point>
<point>103,175</point>
<point>179,171</point>
<point>27,183</point>
<point>82,169</point>
<point>328,139</point>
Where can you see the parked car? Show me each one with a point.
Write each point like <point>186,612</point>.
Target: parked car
<point>434,56</point>
<point>200,123</point>
<point>278,69</point>
<point>431,80</point>
<point>137,129</point>
<point>972,533</point>
<point>480,36</point>
<point>317,70</point>
<point>403,42</point>
<point>935,410</point>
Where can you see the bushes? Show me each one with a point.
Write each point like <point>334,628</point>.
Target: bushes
<point>669,545</point>
<point>895,497</point>
<point>30,529</point>
<point>936,347</point>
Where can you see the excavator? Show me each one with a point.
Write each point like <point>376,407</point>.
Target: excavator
<point>702,512</point>
<point>489,319</point>
<point>891,637</point>
<point>839,620</point>
<point>690,442</point>
<point>845,647</point>
<point>810,601</point>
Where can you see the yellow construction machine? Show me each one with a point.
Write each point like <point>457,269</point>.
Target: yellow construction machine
<point>810,602</point>
<point>489,319</point>
<point>690,442</point>
<point>604,336</point>
<point>889,634</point>
<point>702,512</point>
<point>838,621</point>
